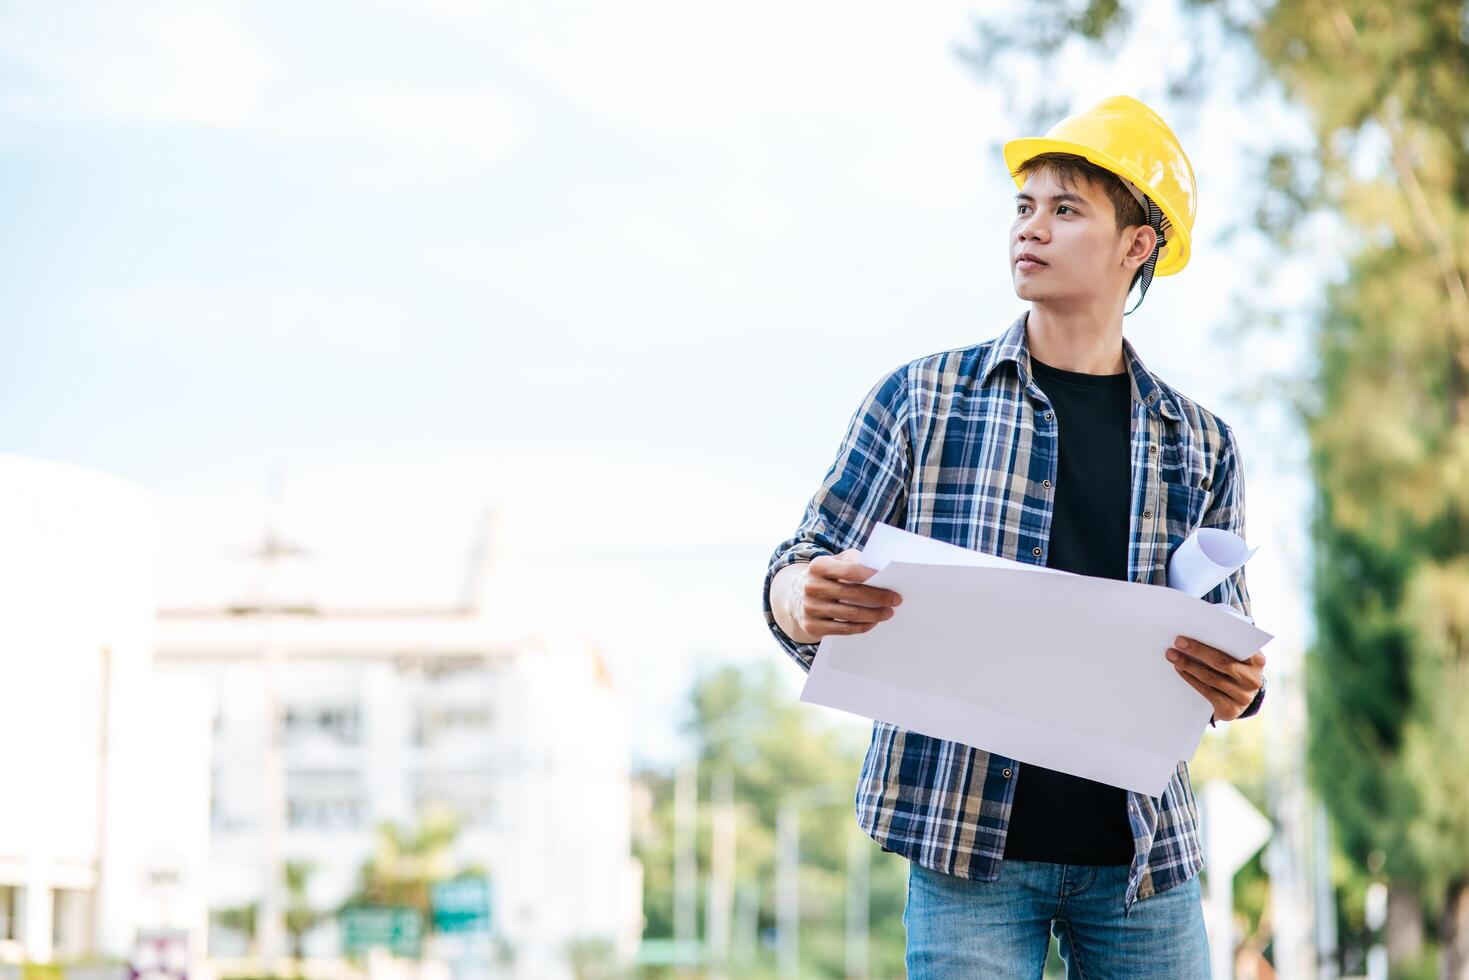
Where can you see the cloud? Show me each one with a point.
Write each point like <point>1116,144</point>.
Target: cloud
<point>679,65</point>
<point>294,317</point>
<point>385,135</point>
<point>168,63</point>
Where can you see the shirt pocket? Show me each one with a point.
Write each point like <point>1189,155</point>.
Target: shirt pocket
<point>1183,511</point>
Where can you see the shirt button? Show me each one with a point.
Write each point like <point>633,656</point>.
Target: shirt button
<point>1152,450</point>
<point>1007,772</point>
<point>1036,552</point>
<point>1046,484</point>
<point>1049,416</point>
<point>1147,515</point>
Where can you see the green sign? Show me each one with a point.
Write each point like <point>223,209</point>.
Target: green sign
<point>397,929</point>
<point>462,905</point>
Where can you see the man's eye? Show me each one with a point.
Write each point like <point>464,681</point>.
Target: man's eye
<point>1065,207</point>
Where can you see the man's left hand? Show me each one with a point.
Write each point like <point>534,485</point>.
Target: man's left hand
<point>1229,684</point>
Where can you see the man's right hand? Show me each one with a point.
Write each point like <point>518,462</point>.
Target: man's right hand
<point>828,598</point>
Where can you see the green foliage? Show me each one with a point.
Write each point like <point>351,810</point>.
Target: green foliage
<point>592,959</point>
<point>1385,90</point>
<point>406,861</point>
<point>301,918</point>
<point>747,725</point>
<point>1421,967</point>
<point>239,918</point>
<point>1236,753</point>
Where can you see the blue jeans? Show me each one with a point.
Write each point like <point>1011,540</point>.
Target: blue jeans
<point>1001,929</point>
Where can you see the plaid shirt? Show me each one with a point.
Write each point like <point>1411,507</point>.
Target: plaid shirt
<point>961,446</point>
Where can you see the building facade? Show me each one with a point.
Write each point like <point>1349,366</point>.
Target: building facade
<point>104,825</point>
<point>333,720</point>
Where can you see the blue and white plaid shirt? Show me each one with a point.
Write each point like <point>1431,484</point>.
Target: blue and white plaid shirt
<point>961,446</point>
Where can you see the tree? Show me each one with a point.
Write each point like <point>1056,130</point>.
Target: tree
<point>1386,90</point>
<point>406,861</point>
<point>592,958</point>
<point>301,918</point>
<point>747,725</point>
<point>239,918</point>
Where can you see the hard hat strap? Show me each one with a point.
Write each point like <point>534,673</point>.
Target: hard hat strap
<point>1159,224</point>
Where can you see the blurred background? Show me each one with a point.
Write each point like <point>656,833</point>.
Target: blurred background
<point>399,404</point>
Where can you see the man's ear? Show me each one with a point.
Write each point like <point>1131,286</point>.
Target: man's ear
<point>1140,245</point>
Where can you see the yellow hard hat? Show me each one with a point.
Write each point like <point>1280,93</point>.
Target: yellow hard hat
<point>1124,136</point>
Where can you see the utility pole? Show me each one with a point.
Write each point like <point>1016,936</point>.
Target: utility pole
<point>1287,858</point>
<point>859,864</point>
<point>104,762</point>
<point>272,924</point>
<point>685,860</point>
<point>788,871</point>
<point>747,924</point>
<point>1376,917</point>
<point>788,890</point>
<point>720,908</point>
<point>1326,937</point>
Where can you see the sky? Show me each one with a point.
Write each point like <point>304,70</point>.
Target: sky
<point>623,270</point>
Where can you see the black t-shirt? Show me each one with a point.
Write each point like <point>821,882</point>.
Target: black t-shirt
<point>1055,816</point>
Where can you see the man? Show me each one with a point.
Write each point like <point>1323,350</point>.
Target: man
<point>1050,444</point>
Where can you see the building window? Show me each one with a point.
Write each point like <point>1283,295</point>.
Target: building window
<point>71,917</point>
<point>435,721</point>
<point>339,723</point>
<point>324,800</point>
<point>9,912</point>
<point>225,807</point>
<point>468,793</point>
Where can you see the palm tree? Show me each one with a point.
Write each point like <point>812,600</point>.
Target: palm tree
<point>405,862</point>
<point>301,918</point>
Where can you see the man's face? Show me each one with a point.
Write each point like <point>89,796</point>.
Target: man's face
<point>1073,231</point>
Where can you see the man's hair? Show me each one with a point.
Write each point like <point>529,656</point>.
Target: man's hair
<point>1071,167</point>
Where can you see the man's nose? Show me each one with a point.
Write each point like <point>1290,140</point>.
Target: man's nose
<point>1031,226</point>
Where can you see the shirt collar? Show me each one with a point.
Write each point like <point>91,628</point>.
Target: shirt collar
<point>1011,346</point>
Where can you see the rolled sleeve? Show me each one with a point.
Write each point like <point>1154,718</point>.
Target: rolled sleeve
<point>1227,510</point>
<point>866,485</point>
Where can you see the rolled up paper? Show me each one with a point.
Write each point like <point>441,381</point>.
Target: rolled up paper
<point>1207,557</point>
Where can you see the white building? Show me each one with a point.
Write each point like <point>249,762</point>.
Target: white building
<point>104,770</point>
<point>383,710</point>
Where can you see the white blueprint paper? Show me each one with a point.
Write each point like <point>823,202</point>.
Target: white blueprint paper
<point>887,543</point>
<point>1207,557</point>
<point>1060,670</point>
